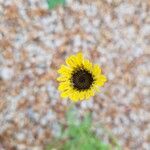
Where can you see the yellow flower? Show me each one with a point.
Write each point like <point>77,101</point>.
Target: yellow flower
<point>79,79</point>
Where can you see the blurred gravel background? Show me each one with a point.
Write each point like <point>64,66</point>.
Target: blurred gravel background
<point>34,42</point>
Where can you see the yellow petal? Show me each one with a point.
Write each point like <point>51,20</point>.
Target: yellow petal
<point>62,78</point>
<point>100,80</point>
<point>64,70</point>
<point>96,87</point>
<point>82,95</point>
<point>96,70</point>
<point>89,94</point>
<point>71,61</point>
<point>87,65</point>
<point>92,92</point>
<point>63,86</point>
<point>100,83</point>
<point>103,78</point>
<point>80,56</point>
<point>65,94</point>
<point>79,59</point>
<point>74,96</point>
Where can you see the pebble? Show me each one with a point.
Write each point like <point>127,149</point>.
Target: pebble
<point>6,73</point>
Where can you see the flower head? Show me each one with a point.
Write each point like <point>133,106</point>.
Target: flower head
<point>79,79</point>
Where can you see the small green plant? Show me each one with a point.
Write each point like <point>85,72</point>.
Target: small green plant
<point>54,3</point>
<point>81,137</point>
<point>78,136</point>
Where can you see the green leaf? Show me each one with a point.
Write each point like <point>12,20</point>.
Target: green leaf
<point>79,135</point>
<point>54,3</point>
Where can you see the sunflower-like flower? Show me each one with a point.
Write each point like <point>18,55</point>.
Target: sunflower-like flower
<point>79,79</point>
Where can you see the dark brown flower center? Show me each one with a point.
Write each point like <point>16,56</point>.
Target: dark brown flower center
<point>82,79</point>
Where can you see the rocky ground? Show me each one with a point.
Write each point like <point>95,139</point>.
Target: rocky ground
<point>34,42</point>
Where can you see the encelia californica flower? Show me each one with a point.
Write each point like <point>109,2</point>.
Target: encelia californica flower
<point>79,79</point>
